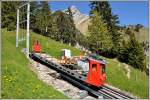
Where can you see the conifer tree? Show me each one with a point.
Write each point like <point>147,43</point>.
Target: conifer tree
<point>138,27</point>
<point>9,14</point>
<point>136,55</point>
<point>123,52</point>
<point>34,7</point>
<point>111,20</point>
<point>43,18</point>
<point>99,38</point>
<point>66,27</point>
<point>133,53</point>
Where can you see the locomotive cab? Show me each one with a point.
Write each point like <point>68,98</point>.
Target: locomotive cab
<point>96,75</point>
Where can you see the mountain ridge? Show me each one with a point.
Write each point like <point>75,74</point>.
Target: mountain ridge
<point>81,20</point>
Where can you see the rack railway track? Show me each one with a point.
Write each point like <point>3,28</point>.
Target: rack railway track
<point>104,92</point>
<point>113,94</point>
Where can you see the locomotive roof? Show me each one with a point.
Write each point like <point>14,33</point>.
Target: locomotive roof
<point>97,58</point>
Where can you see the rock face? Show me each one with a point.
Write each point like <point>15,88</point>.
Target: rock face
<point>81,21</point>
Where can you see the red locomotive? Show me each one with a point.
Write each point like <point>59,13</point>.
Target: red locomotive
<point>96,75</point>
<point>95,65</point>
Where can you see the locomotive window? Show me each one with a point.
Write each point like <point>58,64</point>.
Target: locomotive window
<point>94,67</point>
<point>103,69</point>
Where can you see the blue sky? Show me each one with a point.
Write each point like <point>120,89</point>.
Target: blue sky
<point>129,12</point>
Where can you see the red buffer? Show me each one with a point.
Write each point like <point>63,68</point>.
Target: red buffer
<point>36,47</point>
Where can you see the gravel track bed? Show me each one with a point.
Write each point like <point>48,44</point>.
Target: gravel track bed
<point>49,76</point>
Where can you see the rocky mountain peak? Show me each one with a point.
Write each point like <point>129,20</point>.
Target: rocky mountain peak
<point>74,10</point>
<point>81,20</point>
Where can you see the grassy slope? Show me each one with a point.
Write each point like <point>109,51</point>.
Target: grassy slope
<point>138,84</point>
<point>142,36</point>
<point>52,47</point>
<point>17,79</point>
